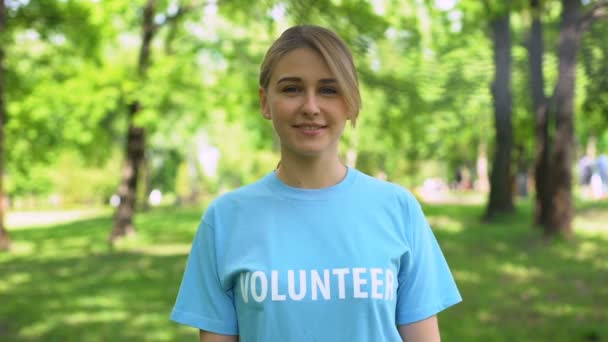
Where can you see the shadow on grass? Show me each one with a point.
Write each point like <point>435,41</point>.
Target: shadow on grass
<point>119,296</point>
<point>63,283</point>
<point>517,286</point>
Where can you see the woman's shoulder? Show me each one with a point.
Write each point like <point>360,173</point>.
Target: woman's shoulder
<point>379,186</point>
<point>253,192</point>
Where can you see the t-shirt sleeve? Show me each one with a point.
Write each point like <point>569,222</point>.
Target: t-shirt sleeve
<point>202,301</point>
<point>426,285</point>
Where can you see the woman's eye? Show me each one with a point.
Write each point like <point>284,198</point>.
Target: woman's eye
<point>328,91</point>
<point>290,89</point>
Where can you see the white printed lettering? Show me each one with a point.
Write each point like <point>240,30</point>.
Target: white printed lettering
<point>274,279</point>
<point>291,285</point>
<point>316,284</point>
<point>245,286</point>
<point>259,297</point>
<point>341,272</point>
<point>390,283</point>
<point>358,282</point>
<point>376,282</point>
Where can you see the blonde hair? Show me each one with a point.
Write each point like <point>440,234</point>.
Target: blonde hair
<point>333,50</point>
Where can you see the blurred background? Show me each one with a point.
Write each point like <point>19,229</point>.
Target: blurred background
<point>120,120</point>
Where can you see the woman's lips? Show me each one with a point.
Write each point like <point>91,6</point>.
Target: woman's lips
<point>310,130</point>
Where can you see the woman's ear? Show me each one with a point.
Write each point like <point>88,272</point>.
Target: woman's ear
<point>264,103</point>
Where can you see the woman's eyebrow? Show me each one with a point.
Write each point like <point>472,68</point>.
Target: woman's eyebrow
<point>299,79</point>
<point>289,79</point>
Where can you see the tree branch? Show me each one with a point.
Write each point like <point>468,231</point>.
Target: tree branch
<point>598,11</point>
<point>182,9</point>
<point>172,20</point>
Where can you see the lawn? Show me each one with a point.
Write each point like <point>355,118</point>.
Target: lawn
<point>62,282</point>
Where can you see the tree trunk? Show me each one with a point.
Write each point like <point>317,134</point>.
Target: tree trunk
<point>559,220</point>
<point>5,242</point>
<point>147,177</point>
<point>539,101</point>
<point>135,149</point>
<point>501,199</point>
<point>123,218</point>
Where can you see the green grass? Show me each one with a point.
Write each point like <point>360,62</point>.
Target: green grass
<point>63,283</point>
<point>516,285</point>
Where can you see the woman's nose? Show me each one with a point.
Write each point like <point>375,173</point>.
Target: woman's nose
<point>311,104</point>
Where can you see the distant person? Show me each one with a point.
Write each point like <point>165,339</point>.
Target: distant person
<point>585,169</point>
<point>522,172</point>
<point>482,183</point>
<point>315,250</point>
<point>457,179</point>
<point>465,182</point>
<point>602,170</point>
<point>585,172</point>
<point>597,188</point>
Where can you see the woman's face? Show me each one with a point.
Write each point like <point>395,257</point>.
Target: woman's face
<point>305,104</point>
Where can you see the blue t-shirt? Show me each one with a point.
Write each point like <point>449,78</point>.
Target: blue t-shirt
<point>345,263</point>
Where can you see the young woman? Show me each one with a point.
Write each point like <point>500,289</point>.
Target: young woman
<point>315,250</point>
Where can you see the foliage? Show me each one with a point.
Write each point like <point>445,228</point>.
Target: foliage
<point>51,62</point>
<point>594,115</point>
<point>425,72</point>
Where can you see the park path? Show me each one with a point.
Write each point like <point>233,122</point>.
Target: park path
<point>19,219</point>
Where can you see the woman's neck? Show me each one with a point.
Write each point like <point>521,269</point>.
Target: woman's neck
<point>314,173</point>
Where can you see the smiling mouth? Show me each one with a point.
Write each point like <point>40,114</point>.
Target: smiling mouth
<point>308,127</point>
<point>310,130</point>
